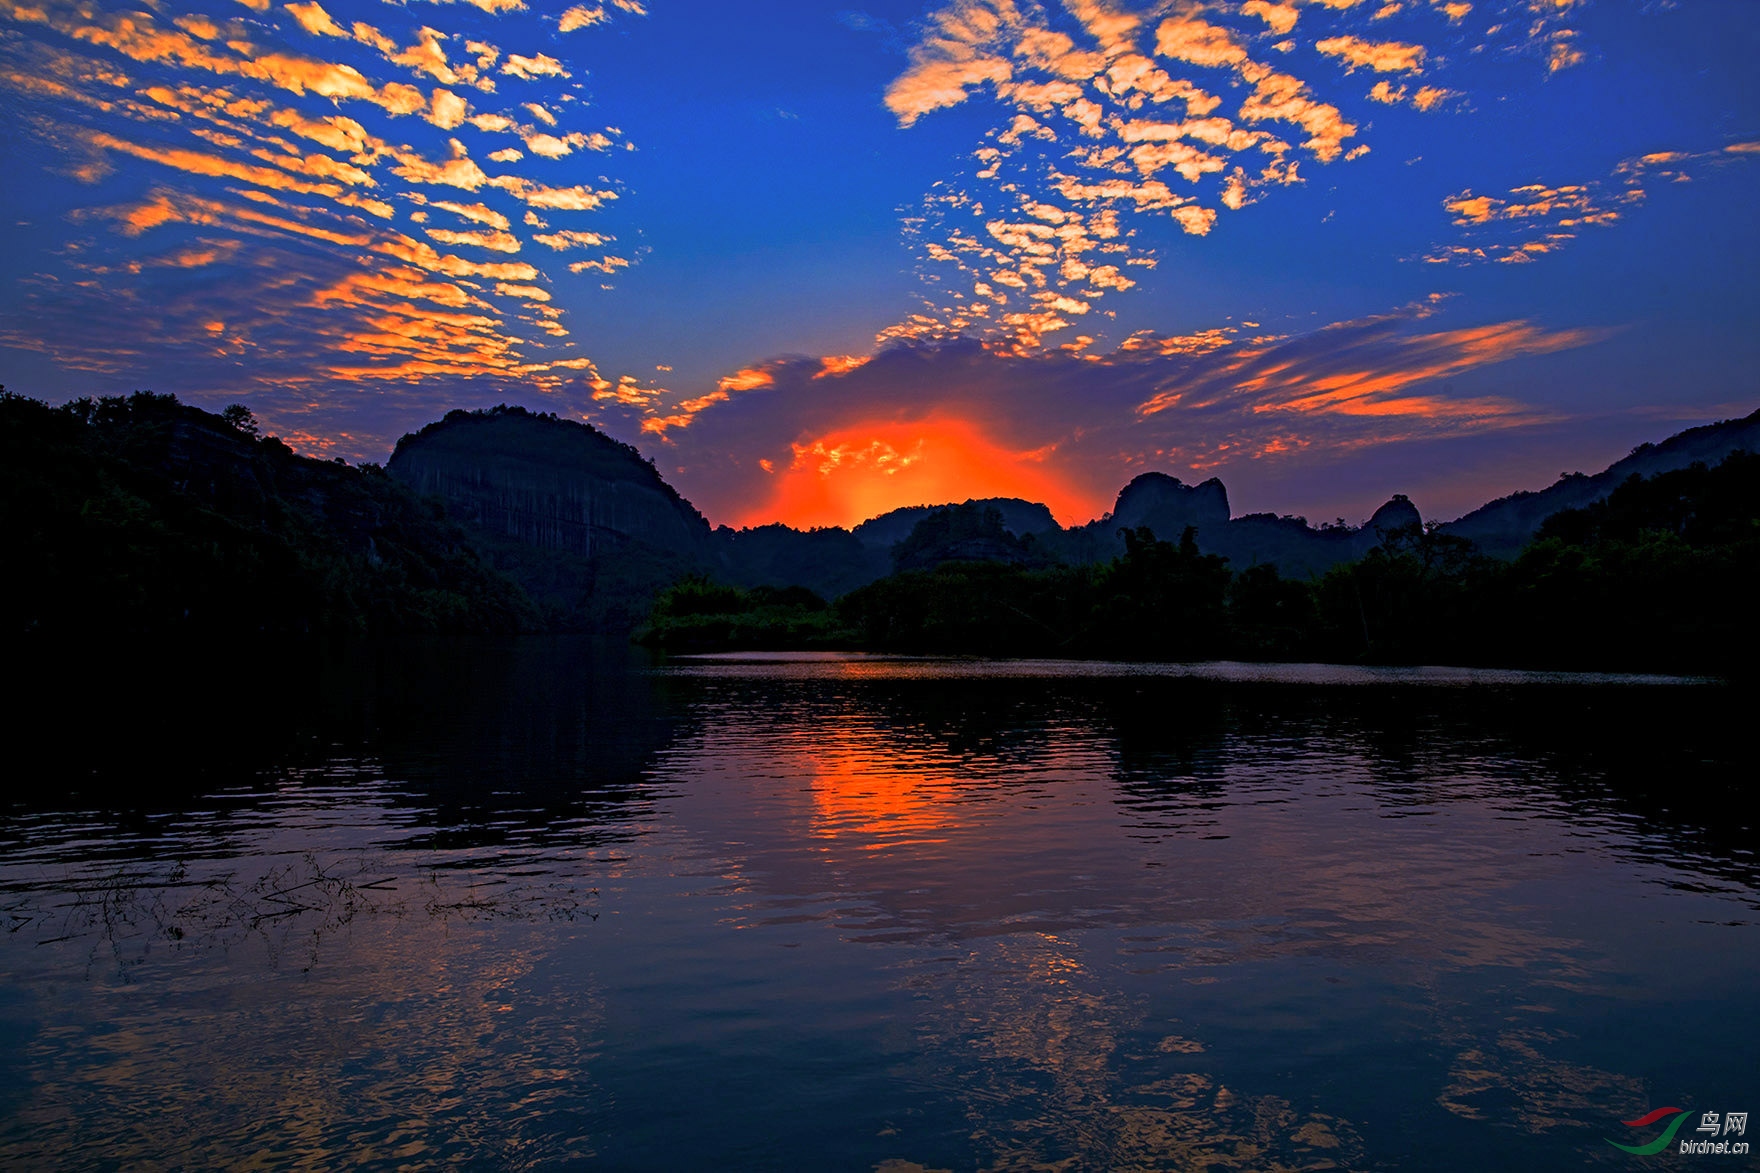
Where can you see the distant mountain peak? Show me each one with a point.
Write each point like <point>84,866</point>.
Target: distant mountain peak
<point>1167,504</point>
<point>1397,513</point>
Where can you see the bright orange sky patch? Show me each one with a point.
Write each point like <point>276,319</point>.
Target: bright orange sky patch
<point>854,473</point>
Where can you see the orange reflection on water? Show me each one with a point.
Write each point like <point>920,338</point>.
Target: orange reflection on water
<point>859,791</point>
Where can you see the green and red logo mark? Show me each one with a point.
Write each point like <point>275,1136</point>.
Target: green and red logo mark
<point>1712,1124</point>
<point>1647,1119</point>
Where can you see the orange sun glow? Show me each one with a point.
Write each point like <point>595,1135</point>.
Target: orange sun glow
<point>853,473</point>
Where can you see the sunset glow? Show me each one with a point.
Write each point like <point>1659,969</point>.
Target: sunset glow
<point>847,476</point>
<point>1460,246</point>
<point>893,585</point>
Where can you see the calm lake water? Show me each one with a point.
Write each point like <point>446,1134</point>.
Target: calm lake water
<point>541,904</point>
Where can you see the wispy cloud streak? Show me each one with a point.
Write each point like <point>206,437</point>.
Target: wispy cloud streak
<point>1535,219</point>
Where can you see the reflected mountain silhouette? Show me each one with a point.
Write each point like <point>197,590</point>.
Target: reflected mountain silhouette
<point>482,741</point>
<point>1556,750</point>
<point>978,915</point>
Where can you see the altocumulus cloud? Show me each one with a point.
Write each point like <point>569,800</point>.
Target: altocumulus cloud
<point>1109,121</point>
<point>310,209</point>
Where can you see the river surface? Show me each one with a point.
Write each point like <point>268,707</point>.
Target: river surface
<point>545,905</point>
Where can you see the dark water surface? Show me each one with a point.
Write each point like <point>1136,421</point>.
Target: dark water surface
<point>538,904</point>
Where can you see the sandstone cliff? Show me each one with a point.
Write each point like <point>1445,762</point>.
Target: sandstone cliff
<point>1168,505</point>
<point>541,481</point>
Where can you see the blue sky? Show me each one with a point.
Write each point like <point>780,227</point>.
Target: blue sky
<point>820,262</point>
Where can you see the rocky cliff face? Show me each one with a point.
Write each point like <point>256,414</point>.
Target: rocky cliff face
<point>545,482</point>
<point>1168,505</point>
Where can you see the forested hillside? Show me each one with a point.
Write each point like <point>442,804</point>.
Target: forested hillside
<point>139,515</point>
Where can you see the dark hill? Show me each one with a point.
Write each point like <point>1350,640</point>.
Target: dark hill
<point>582,522</point>
<point>962,533</point>
<point>141,516</point>
<point>547,482</point>
<point>1502,527</point>
<point>829,561</point>
<point>1019,518</point>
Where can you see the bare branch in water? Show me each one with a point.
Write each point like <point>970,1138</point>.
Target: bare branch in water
<point>294,906</point>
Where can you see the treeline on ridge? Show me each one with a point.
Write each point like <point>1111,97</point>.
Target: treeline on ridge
<point>1658,576</point>
<point>140,516</point>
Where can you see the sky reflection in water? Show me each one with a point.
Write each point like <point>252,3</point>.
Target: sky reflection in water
<point>842,916</point>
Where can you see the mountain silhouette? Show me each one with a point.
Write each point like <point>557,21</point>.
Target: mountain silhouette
<point>527,482</point>
<point>144,514</point>
<point>1502,527</point>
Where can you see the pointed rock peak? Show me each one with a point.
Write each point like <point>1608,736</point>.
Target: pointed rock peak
<point>1399,511</point>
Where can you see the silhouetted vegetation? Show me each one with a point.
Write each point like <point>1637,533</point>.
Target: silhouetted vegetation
<point>698,614</point>
<point>828,561</point>
<point>142,516</point>
<point>1657,577</point>
<point>961,533</point>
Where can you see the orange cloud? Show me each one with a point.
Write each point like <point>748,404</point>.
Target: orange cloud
<point>858,471</point>
<point>1280,381</point>
<point>1279,18</point>
<point>475,212</point>
<point>315,20</point>
<point>1536,218</point>
<point>1131,121</point>
<point>580,17</point>
<point>570,238</point>
<point>1198,42</point>
<point>196,163</point>
<point>501,242</point>
<point>492,7</point>
<point>1380,56</point>
<point>749,379</point>
<point>1429,97</point>
<point>964,46</point>
<point>301,280</point>
<point>840,364</point>
<point>535,66</point>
